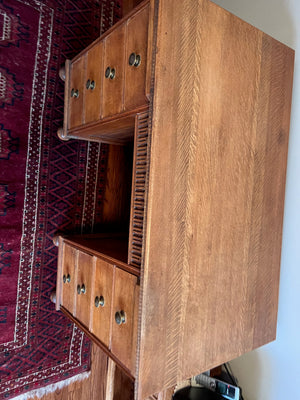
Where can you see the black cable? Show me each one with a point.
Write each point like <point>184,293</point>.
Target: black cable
<point>233,380</point>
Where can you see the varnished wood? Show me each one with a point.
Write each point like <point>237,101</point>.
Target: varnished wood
<point>111,248</point>
<point>100,114</point>
<point>69,262</point>
<point>97,341</point>
<point>63,134</point>
<point>113,130</point>
<point>123,343</point>
<point>94,72</point>
<point>153,6</point>
<point>62,73</point>
<point>113,89</point>
<point>77,73</point>
<point>110,380</point>
<point>220,126</point>
<point>85,270</point>
<point>123,387</point>
<point>135,77</point>
<point>101,315</point>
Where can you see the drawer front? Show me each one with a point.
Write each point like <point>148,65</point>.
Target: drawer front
<point>93,83</point>
<point>113,80</point>
<point>68,278</point>
<point>124,324</point>
<point>85,264</point>
<point>136,60</point>
<point>102,301</point>
<point>76,93</point>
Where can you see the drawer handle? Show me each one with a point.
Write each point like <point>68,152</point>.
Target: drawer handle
<point>67,279</point>
<point>120,317</point>
<point>90,84</point>
<point>81,289</point>
<point>134,60</point>
<point>75,93</point>
<point>99,301</point>
<point>110,73</point>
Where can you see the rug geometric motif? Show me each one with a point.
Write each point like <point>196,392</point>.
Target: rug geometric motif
<point>38,345</point>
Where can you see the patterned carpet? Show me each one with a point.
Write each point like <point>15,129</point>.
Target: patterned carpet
<point>45,186</point>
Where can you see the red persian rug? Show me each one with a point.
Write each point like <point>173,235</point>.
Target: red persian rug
<point>45,186</point>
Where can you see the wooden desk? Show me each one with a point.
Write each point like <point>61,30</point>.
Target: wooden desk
<point>219,95</point>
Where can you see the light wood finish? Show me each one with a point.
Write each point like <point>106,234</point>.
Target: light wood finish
<point>110,247</point>
<point>101,315</point>
<point>94,73</point>
<point>110,380</point>
<point>151,49</point>
<point>122,340</point>
<point>136,42</point>
<point>114,58</point>
<point>68,269</point>
<point>77,73</point>
<point>85,266</point>
<point>100,114</point>
<point>216,192</point>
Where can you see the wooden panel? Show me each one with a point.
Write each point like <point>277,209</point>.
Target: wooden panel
<point>94,73</point>
<point>216,191</point>
<point>77,74</point>
<point>68,270</point>
<point>123,386</point>
<point>85,265</point>
<point>101,315</point>
<point>123,341</point>
<point>114,58</point>
<point>136,42</point>
<point>117,193</point>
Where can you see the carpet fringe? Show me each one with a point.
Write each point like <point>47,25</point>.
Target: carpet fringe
<point>53,387</point>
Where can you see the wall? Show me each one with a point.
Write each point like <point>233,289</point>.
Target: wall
<point>272,372</point>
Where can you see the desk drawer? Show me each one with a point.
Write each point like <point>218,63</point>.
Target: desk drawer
<point>124,326</point>
<point>102,301</point>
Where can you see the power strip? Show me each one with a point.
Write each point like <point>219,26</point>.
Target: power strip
<point>229,392</point>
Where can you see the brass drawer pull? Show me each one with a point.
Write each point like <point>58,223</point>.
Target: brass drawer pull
<point>134,60</point>
<point>110,73</point>
<point>81,289</point>
<point>120,317</point>
<point>99,301</point>
<point>74,93</point>
<point>90,84</point>
<point>67,279</point>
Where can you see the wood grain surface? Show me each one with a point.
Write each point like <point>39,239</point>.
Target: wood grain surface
<point>113,89</point>
<point>94,72</point>
<point>101,315</point>
<point>135,77</point>
<point>220,127</point>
